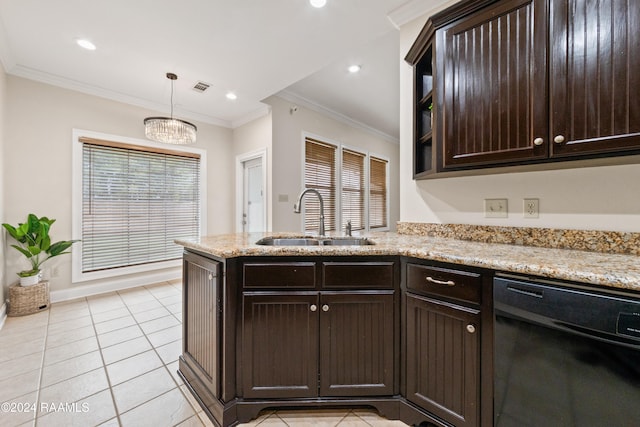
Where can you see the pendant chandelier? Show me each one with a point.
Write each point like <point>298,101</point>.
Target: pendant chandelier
<point>168,129</point>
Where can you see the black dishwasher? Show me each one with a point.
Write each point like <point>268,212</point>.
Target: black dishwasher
<point>565,355</point>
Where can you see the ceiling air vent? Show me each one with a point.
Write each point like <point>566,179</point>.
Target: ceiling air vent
<point>201,87</point>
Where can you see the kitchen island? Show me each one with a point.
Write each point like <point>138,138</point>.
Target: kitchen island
<point>350,326</point>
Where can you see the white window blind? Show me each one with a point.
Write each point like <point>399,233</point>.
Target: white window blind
<point>353,189</point>
<point>377,193</point>
<point>320,174</point>
<point>135,202</point>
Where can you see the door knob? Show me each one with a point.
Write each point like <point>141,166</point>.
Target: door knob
<point>471,328</point>
<point>313,307</point>
<point>210,276</point>
<point>538,141</point>
<point>325,307</point>
<point>559,139</point>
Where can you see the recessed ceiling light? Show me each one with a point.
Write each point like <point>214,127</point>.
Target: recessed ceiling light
<point>354,68</point>
<point>232,96</point>
<point>318,3</point>
<point>86,44</point>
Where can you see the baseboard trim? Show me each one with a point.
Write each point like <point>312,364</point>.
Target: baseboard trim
<point>82,290</point>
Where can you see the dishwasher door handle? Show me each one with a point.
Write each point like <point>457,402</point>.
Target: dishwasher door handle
<point>527,292</point>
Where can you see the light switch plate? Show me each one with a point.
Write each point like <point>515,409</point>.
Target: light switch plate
<point>495,208</point>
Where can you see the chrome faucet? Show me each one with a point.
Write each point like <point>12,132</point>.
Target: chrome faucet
<point>298,205</point>
<point>347,228</point>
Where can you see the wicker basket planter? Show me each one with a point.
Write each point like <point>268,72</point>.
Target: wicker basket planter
<point>28,300</point>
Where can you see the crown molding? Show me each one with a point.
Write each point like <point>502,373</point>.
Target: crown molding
<point>414,9</point>
<point>292,97</point>
<point>408,12</point>
<point>256,114</point>
<point>51,79</point>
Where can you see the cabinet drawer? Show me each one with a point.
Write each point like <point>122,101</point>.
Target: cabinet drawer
<point>371,275</point>
<point>457,284</point>
<point>280,275</point>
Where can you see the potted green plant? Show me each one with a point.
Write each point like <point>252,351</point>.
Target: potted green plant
<point>34,243</point>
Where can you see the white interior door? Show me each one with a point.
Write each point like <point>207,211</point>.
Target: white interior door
<point>253,197</point>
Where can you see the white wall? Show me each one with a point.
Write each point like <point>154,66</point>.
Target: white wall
<point>249,138</point>
<point>37,160</point>
<point>600,198</point>
<point>288,151</point>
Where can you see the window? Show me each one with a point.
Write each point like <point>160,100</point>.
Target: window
<point>377,193</point>
<point>353,190</point>
<point>355,179</point>
<point>135,202</point>
<point>320,174</point>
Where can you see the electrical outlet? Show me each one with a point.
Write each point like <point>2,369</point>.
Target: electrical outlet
<point>495,208</point>
<point>531,208</point>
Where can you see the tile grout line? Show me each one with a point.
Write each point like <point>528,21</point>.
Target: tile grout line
<point>157,354</point>
<point>44,351</point>
<point>104,366</point>
<point>195,410</point>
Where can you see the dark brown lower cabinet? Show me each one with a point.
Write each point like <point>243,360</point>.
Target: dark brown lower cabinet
<point>443,359</point>
<point>405,336</point>
<point>280,345</point>
<point>309,344</point>
<point>201,313</point>
<point>356,344</point>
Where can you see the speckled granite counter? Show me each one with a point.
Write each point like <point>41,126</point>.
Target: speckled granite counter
<point>611,270</point>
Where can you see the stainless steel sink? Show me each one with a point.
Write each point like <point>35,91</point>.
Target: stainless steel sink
<point>314,241</point>
<point>288,241</point>
<point>347,241</point>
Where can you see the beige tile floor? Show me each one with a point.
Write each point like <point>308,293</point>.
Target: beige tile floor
<point>111,360</point>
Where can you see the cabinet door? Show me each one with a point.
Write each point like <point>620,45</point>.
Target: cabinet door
<point>201,319</point>
<point>443,359</point>
<point>594,76</point>
<point>356,344</point>
<point>280,345</point>
<point>492,74</point>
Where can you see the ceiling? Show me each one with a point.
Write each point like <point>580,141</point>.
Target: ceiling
<point>253,48</point>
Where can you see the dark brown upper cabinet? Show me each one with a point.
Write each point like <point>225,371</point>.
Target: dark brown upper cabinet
<point>423,118</point>
<point>493,84</point>
<point>594,76</point>
<point>527,81</point>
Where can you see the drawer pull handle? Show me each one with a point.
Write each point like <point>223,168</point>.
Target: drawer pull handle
<point>471,328</point>
<point>313,307</point>
<point>441,282</point>
<point>325,307</point>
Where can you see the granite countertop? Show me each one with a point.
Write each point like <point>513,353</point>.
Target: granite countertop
<point>605,269</point>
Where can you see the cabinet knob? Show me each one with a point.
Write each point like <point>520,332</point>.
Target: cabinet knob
<point>313,307</point>
<point>538,141</point>
<point>440,282</point>
<point>210,276</point>
<point>325,307</point>
<point>559,139</point>
<point>471,328</point>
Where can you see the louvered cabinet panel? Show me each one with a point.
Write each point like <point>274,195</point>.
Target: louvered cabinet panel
<point>356,344</point>
<point>594,76</point>
<point>280,345</point>
<point>493,80</point>
<point>443,359</point>
<point>201,327</point>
